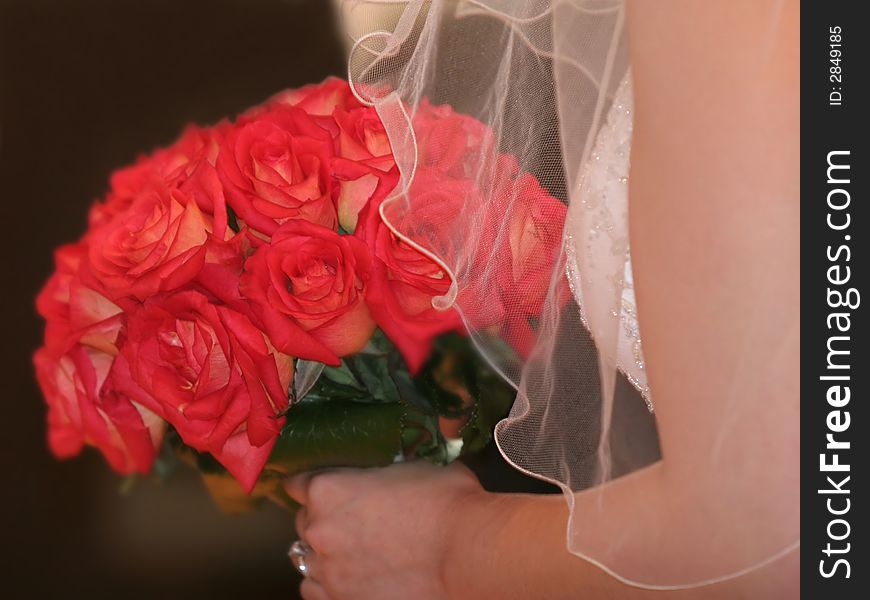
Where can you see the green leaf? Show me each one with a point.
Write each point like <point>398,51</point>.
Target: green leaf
<point>127,484</point>
<point>485,397</point>
<point>374,372</point>
<point>494,400</point>
<point>410,395</point>
<point>166,462</point>
<point>432,445</point>
<point>232,220</point>
<point>338,434</point>
<point>306,376</point>
<point>337,383</point>
<point>342,375</point>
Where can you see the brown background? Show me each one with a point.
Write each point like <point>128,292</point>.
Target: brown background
<point>85,85</point>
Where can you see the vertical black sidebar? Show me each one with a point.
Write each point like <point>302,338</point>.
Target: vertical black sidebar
<point>835,368</point>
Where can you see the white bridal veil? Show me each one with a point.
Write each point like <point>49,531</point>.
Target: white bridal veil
<point>550,82</point>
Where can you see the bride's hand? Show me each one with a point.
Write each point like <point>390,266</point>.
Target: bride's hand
<point>380,533</point>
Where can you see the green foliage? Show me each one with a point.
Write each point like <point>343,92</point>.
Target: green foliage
<point>167,461</point>
<point>494,400</point>
<point>370,410</point>
<point>339,433</point>
<point>232,220</point>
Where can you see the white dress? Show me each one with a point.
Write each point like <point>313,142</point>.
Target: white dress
<point>604,193</point>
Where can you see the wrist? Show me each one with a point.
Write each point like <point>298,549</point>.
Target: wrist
<point>463,526</point>
<point>474,543</point>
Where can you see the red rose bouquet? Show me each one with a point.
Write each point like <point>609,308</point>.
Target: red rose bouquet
<point>239,301</point>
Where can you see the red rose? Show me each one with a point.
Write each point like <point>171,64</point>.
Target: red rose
<point>364,160</point>
<point>212,374</point>
<point>196,145</point>
<point>318,99</point>
<point>159,242</point>
<point>535,233</point>
<point>275,167</point>
<point>220,277</point>
<point>312,278</point>
<point>470,245</point>
<point>404,281</point>
<point>169,167</point>
<point>85,408</point>
<point>74,371</point>
<point>73,312</point>
<point>361,147</point>
<point>126,184</point>
<point>452,143</point>
<point>533,242</point>
<point>503,266</point>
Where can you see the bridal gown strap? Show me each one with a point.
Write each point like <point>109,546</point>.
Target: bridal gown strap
<point>603,187</point>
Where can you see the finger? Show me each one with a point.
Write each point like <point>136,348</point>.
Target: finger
<point>314,568</point>
<point>309,589</point>
<point>297,487</point>
<point>460,468</point>
<point>301,522</point>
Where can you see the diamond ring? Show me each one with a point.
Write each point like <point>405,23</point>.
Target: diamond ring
<point>297,553</point>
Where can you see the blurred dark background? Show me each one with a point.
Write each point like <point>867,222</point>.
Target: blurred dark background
<point>85,86</point>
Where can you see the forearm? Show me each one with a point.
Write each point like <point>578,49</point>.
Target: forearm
<point>510,546</point>
<point>514,546</point>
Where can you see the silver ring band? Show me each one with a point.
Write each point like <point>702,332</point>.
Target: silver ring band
<point>299,550</point>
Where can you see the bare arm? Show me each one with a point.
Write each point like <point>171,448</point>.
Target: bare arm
<point>714,205</point>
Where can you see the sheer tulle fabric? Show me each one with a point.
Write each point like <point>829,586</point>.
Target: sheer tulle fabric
<point>542,87</point>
